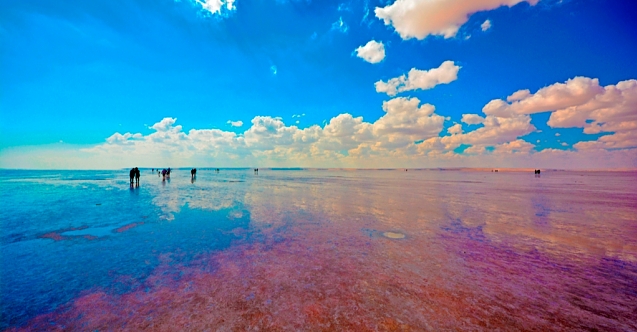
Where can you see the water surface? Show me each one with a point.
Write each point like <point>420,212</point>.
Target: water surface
<point>319,250</point>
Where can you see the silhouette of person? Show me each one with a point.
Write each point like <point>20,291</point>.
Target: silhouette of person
<point>163,174</point>
<point>137,175</point>
<point>131,174</point>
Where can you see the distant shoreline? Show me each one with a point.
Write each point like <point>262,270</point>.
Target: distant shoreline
<point>460,169</point>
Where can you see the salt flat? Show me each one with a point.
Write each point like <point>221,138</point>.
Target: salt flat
<point>319,250</point>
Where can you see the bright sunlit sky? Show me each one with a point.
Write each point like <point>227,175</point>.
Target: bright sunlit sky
<point>410,83</point>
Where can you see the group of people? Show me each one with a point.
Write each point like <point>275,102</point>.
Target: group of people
<point>134,176</point>
<point>164,172</point>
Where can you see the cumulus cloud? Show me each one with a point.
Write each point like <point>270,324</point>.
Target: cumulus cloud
<point>419,19</point>
<point>410,129</point>
<point>455,129</point>
<point>118,138</point>
<point>517,146</point>
<point>408,134</point>
<point>620,140</point>
<point>496,130</point>
<point>420,79</point>
<point>269,139</point>
<point>608,109</point>
<point>165,125</point>
<point>235,123</point>
<point>472,119</point>
<point>406,122</point>
<point>486,25</point>
<point>372,52</point>
<point>580,103</point>
<point>573,92</point>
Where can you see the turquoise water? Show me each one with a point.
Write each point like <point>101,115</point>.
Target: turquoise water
<point>313,249</point>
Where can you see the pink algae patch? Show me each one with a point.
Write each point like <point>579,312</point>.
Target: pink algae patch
<point>332,277</point>
<point>58,236</point>
<point>129,226</point>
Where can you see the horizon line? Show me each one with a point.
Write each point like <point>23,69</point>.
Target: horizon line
<point>500,169</point>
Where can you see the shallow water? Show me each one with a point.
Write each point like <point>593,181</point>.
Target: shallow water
<point>319,250</point>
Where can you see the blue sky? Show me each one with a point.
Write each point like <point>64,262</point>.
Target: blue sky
<point>75,73</point>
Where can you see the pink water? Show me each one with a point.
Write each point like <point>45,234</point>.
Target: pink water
<point>481,252</point>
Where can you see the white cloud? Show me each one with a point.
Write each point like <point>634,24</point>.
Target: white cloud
<point>580,103</point>
<point>608,109</point>
<point>270,140</point>
<point>557,134</point>
<point>390,141</point>
<point>235,123</point>
<point>165,124</point>
<point>619,140</point>
<point>273,70</point>
<point>517,146</point>
<point>216,6</point>
<point>420,79</point>
<point>421,18</point>
<point>472,119</point>
<point>496,130</point>
<point>406,122</point>
<point>486,25</point>
<point>118,138</point>
<point>573,92</point>
<point>455,129</point>
<point>372,52</point>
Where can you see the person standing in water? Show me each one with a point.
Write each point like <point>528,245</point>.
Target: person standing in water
<point>131,174</point>
<point>137,175</point>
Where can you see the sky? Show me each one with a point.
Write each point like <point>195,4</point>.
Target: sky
<point>307,83</point>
